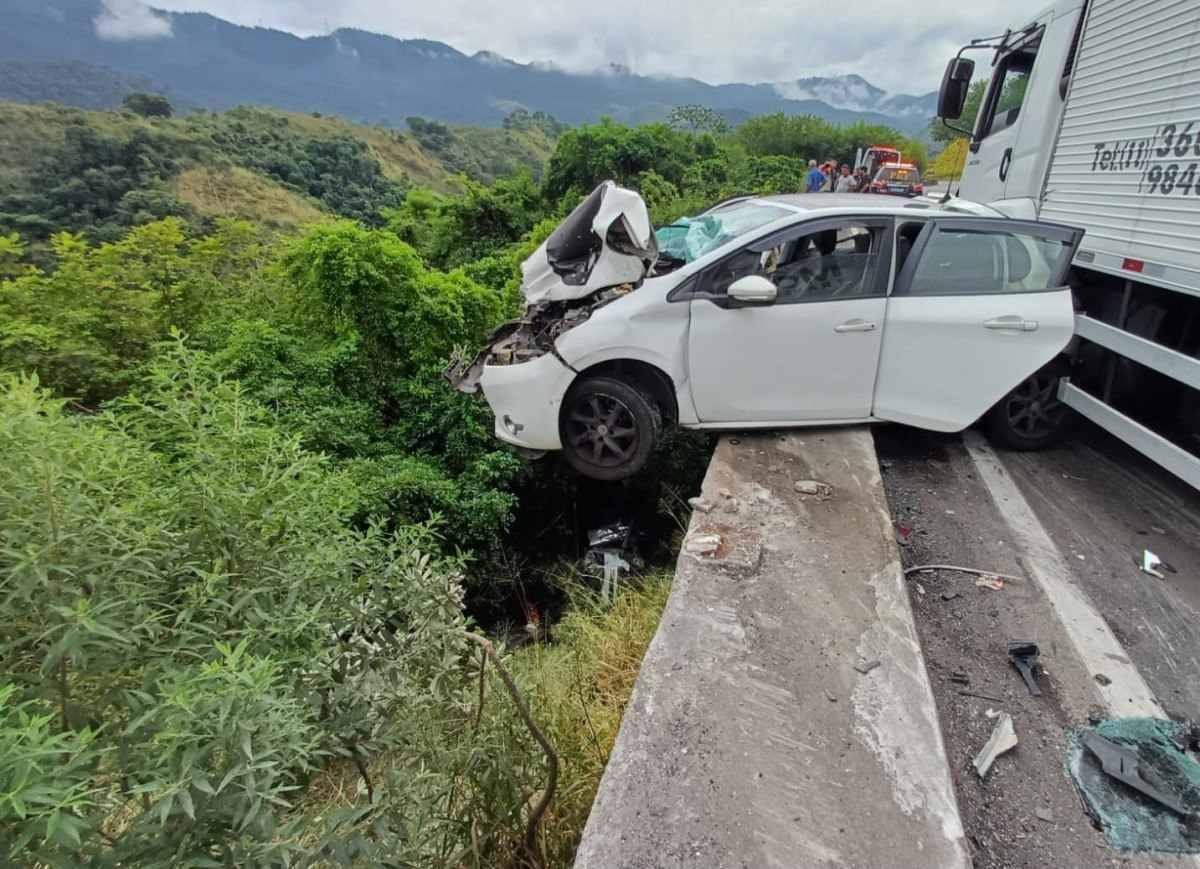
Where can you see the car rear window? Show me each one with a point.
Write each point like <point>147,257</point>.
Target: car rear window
<point>908,176</point>
<point>690,238</point>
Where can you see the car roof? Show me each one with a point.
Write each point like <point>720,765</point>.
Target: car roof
<point>811,202</point>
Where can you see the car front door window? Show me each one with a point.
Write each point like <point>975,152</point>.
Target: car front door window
<point>833,260</point>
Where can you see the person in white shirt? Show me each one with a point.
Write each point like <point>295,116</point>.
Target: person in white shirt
<point>846,183</point>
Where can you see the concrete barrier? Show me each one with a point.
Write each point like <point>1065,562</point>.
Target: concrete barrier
<point>754,738</point>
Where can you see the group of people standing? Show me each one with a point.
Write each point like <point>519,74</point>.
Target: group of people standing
<point>827,178</point>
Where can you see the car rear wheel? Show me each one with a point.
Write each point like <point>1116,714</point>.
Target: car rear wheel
<point>1031,417</point>
<point>609,428</point>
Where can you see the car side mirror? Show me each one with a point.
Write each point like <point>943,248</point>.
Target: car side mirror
<point>956,83</point>
<point>753,290</point>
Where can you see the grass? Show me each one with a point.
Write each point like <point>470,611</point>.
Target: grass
<point>230,191</point>
<point>578,687</point>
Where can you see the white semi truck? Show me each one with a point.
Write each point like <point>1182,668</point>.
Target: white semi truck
<point>1092,118</point>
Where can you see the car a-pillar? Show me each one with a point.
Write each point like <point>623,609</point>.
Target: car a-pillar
<point>612,418</point>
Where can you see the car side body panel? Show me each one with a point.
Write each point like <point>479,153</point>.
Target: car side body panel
<point>642,326</point>
<point>942,368</point>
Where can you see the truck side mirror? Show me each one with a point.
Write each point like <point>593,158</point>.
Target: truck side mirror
<point>955,85</point>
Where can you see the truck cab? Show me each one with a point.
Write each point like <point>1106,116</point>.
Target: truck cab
<point>1090,119</point>
<point>1013,136</point>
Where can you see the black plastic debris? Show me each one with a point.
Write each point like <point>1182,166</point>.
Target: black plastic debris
<point>1023,655</point>
<point>1139,783</point>
<point>610,556</point>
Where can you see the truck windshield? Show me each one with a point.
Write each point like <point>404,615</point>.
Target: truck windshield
<point>689,238</point>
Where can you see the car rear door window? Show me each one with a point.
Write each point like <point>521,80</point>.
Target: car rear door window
<point>974,260</point>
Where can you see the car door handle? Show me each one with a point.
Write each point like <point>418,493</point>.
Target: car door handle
<point>1005,162</point>
<point>856,325</point>
<point>1012,322</point>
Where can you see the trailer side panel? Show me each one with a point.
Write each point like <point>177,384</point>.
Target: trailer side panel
<point>1127,164</point>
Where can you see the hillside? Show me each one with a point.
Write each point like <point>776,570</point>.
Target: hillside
<point>66,168</point>
<point>378,79</point>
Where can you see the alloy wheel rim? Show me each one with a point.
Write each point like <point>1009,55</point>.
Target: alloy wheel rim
<point>1034,409</point>
<point>602,430</point>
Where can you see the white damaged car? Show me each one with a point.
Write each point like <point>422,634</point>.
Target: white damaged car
<point>778,312</point>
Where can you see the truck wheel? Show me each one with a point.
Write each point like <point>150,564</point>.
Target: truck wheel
<point>609,428</point>
<point>1031,417</point>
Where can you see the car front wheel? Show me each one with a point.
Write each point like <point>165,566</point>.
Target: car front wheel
<point>609,428</point>
<point>1031,417</point>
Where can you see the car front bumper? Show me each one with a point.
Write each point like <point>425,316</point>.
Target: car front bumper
<point>526,399</point>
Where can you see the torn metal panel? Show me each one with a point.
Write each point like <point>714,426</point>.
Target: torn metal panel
<point>530,337</point>
<point>606,241</point>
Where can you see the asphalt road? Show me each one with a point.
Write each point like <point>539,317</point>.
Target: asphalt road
<point>1095,506</point>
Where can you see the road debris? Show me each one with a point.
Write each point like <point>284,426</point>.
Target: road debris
<point>1121,762</point>
<point>1044,815</point>
<point>1003,738</point>
<point>830,696</point>
<point>700,505</point>
<point>990,574</point>
<point>1024,654</point>
<point>703,544</point>
<point>995,583</point>
<point>1151,563</point>
<point>958,677</point>
<point>1102,679</point>
<point>615,536</point>
<point>1137,783</point>
<point>614,566</point>
<point>814,487</point>
<point>866,667</point>
<point>904,535</point>
<point>979,696</point>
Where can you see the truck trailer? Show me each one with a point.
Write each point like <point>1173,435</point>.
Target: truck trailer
<point>1091,118</point>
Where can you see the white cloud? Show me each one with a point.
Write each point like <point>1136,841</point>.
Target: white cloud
<point>899,47</point>
<point>122,20</point>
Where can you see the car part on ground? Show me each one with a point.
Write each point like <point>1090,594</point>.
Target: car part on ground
<point>1140,783</point>
<point>610,428</point>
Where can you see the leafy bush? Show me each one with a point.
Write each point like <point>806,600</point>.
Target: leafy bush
<point>148,105</point>
<point>191,626</point>
<point>85,326</point>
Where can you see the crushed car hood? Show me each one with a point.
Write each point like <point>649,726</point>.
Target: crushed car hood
<point>601,252</point>
<point>606,241</point>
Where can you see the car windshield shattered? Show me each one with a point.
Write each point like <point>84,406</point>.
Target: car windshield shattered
<point>688,239</point>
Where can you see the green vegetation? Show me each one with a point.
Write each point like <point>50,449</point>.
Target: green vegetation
<point>104,173</point>
<point>247,531</point>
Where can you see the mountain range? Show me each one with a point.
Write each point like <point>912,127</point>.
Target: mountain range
<point>87,52</point>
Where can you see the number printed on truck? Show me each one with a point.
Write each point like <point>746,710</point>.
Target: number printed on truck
<point>1168,160</point>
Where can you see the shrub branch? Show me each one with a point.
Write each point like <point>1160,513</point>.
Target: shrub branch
<point>535,817</point>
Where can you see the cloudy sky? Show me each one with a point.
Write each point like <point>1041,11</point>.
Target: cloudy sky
<point>901,47</point>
